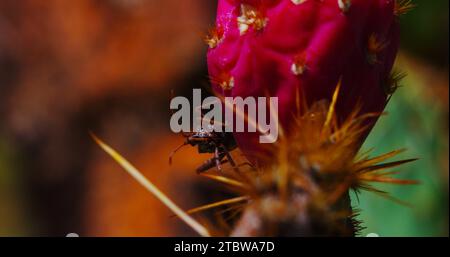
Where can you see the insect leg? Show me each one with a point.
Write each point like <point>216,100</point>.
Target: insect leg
<point>207,165</point>
<point>230,160</point>
<point>218,158</point>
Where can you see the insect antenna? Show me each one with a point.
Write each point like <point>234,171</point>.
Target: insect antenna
<point>175,151</point>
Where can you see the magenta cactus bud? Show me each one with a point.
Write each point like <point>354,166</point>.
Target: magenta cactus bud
<point>281,47</point>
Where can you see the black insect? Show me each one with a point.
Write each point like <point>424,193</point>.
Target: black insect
<point>208,141</point>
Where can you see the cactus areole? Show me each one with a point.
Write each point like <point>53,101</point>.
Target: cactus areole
<point>283,47</point>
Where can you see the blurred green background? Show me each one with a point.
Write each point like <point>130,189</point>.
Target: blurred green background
<point>418,121</point>
<point>67,67</point>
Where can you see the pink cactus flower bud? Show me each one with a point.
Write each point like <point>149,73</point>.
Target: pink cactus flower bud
<point>281,47</point>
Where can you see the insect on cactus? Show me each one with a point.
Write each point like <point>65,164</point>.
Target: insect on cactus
<point>329,62</point>
<point>305,190</point>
